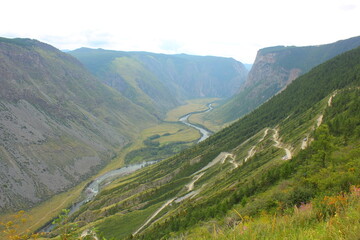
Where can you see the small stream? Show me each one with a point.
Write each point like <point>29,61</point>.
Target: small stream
<point>94,187</point>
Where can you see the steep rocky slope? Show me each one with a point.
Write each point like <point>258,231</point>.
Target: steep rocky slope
<point>273,69</point>
<point>158,81</point>
<point>58,124</point>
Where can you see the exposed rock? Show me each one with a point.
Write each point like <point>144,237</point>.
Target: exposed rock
<point>58,124</point>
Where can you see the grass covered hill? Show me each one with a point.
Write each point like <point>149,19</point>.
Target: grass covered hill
<point>160,82</point>
<point>58,123</point>
<point>274,69</point>
<point>300,148</point>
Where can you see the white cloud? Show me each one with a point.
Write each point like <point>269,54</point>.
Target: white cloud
<point>230,28</point>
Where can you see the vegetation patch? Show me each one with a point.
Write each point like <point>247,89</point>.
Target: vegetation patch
<point>154,151</point>
<point>194,105</point>
<point>118,226</point>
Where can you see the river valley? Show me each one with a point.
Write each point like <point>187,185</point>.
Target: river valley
<point>204,133</point>
<point>94,187</point>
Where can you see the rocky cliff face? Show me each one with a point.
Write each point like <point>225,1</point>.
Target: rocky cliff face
<point>265,75</point>
<point>58,124</point>
<point>265,71</point>
<point>267,78</point>
<point>274,69</point>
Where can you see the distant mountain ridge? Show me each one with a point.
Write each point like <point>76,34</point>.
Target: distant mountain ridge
<point>58,123</point>
<point>160,82</point>
<point>273,69</point>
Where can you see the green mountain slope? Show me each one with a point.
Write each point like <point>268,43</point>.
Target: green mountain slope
<point>160,82</point>
<point>58,123</point>
<point>286,152</point>
<point>273,70</point>
<point>313,196</point>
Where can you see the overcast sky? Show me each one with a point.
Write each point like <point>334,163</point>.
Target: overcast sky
<point>229,28</point>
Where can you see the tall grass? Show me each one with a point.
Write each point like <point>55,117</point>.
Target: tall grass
<point>328,218</point>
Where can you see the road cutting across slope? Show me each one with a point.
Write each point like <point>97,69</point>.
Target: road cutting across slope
<point>279,144</point>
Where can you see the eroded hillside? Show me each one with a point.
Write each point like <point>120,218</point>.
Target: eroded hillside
<point>58,123</point>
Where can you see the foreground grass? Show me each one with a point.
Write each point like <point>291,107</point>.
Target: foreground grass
<point>330,217</point>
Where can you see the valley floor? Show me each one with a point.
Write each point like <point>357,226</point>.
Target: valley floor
<point>170,131</point>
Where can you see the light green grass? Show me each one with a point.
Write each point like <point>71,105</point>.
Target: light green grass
<point>304,222</point>
<point>170,132</point>
<point>118,226</point>
<point>192,105</point>
<point>199,119</point>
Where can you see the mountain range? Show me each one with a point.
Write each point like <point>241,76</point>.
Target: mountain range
<point>60,124</point>
<point>288,167</point>
<point>275,68</point>
<point>160,82</point>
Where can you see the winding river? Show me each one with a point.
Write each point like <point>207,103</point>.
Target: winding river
<point>94,187</point>
<point>204,133</point>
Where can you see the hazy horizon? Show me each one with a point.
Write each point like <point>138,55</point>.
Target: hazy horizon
<point>228,28</point>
